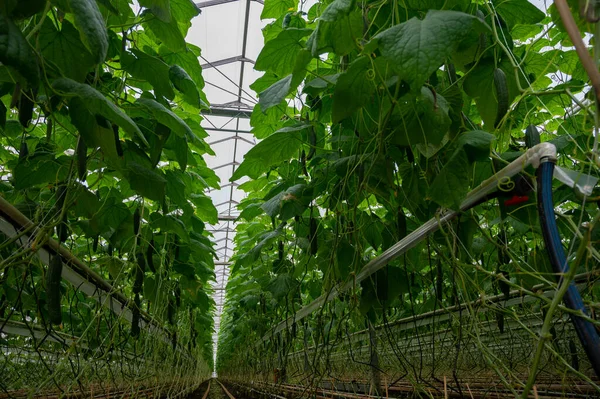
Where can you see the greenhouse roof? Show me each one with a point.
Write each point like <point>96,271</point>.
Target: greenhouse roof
<point>229,34</point>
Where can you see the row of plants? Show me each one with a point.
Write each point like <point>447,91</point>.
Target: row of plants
<point>102,148</point>
<point>372,116</point>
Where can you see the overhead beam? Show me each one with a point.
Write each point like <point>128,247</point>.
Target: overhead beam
<point>228,112</point>
<point>227,218</point>
<point>210,3</point>
<point>225,61</point>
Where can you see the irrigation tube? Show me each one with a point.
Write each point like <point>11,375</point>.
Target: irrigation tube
<point>586,331</point>
<point>533,156</point>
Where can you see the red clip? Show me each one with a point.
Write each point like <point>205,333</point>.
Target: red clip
<point>516,200</point>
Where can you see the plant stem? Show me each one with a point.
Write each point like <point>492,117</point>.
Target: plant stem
<point>584,56</point>
<point>38,26</point>
<point>545,333</point>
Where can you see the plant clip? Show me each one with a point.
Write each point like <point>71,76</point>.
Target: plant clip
<point>516,200</point>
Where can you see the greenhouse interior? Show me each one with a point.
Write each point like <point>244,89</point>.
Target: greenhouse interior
<point>327,199</point>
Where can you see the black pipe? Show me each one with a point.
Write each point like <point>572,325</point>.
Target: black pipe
<point>586,331</point>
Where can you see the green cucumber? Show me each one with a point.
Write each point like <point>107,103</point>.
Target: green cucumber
<point>23,151</point>
<point>501,87</point>
<point>500,321</point>
<point>313,238</point>
<point>139,273</point>
<point>177,290</point>
<point>26,108</point>
<point>81,154</point>
<point>149,256</point>
<point>118,146</point>
<point>532,136</point>
<point>53,294</point>
<point>137,217</point>
<point>135,317</point>
<point>312,140</point>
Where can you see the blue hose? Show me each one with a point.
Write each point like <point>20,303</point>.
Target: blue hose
<point>586,331</point>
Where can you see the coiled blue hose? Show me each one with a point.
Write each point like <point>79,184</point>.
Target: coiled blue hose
<point>586,331</point>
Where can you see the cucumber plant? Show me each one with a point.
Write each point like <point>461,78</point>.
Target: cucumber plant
<point>402,108</point>
<point>102,146</point>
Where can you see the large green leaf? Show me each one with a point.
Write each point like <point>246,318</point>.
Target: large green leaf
<point>476,144</point>
<point>184,83</point>
<point>187,59</point>
<point>39,170</point>
<point>417,48</point>
<point>279,55</point>
<point>143,66</point>
<point>337,30</point>
<point>167,32</point>
<point>149,183</point>
<point>515,12</point>
<point>97,103</point>
<point>166,117</point>
<point>276,8</point>
<point>282,285</point>
<point>422,120</point>
<point>275,94</point>
<point>16,52</point>
<point>94,135</point>
<point>353,89</point>
<point>169,223</point>
<point>451,185</point>
<point>90,23</point>
<point>64,48</point>
<point>205,208</point>
<point>160,8</point>
<point>278,147</point>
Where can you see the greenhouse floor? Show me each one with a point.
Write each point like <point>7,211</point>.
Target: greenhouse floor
<point>481,387</point>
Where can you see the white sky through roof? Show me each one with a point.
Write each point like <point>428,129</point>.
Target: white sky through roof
<point>229,34</point>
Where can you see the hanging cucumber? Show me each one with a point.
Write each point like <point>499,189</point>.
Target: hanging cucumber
<point>312,141</point>
<point>500,321</point>
<point>501,87</point>
<point>49,129</point>
<point>451,73</point>
<point>23,151</point>
<point>118,146</point>
<point>26,108</point>
<point>81,153</point>
<point>53,294</point>
<point>149,256</point>
<point>177,295</point>
<point>280,250</point>
<point>171,312</point>
<point>62,231</point>
<point>135,317</point>
<point>401,223</point>
<point>483,43</point>
<point>532,136</point>
<point>312,237</point>
<point>136,221</point>
<point>95,243</point>
<point>139,273</point>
